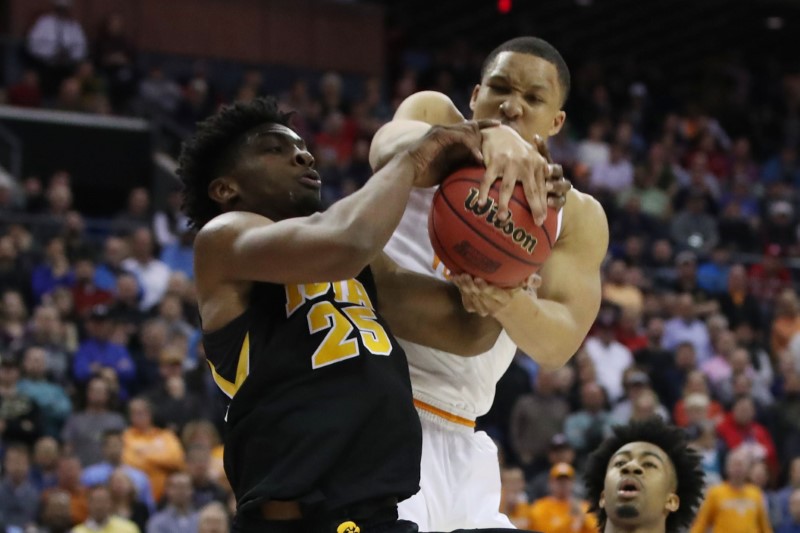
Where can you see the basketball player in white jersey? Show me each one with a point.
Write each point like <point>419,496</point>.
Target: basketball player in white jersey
<point>524,84</point>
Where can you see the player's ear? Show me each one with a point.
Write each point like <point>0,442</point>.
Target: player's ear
<point>474,96</point>
<point>673,503</point>
<point>223,190</point>
<point>558,123</point>
<point>602,503</point>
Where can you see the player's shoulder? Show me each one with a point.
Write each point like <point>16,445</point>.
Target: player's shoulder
<point>431,107</point>
<point>215,239</point>
<point>583,212</point>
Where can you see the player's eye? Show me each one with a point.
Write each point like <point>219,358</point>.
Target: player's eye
<point>649,465</point>
<point>533,99</point>
<point>501,89</point>
<point>619,464</point>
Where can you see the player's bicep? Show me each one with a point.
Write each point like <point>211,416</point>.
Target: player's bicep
<point>571,276</point>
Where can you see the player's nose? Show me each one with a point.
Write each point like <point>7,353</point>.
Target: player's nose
<point>632,467</point>
<point>304,158</point>
<point>511,108</point>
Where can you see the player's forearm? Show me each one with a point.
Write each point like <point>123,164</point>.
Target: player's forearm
<point>393,138</point>
<point>543,329</point>
<point>367,218</point>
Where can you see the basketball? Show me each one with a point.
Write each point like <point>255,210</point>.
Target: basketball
<point>471,239</point>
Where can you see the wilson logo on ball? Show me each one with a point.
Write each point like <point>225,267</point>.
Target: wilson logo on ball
<point>488,212</point>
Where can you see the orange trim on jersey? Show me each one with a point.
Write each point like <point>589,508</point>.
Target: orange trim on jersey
<point>444,414</point>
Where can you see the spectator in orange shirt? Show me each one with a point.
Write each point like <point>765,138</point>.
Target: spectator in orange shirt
<point>561,512</point>
<point>68,480</point>
<point>513,500</point>
<point>155,451</point>
<point>787,321</point>
<point>734,506</point>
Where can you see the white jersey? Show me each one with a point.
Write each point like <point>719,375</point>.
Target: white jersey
<point>462,386</point>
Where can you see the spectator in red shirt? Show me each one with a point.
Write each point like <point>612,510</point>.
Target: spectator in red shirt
<point>770,276</point>
<point>85,294</point>
<point>739,428</point>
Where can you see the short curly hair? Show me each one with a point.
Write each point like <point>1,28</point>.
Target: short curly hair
<point>210,152</point>
<point>690,477</point>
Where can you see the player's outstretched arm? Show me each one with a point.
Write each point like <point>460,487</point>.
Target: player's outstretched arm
<point>428,311</point>
<point>338,243</point>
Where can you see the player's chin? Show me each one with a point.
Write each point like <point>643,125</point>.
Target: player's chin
<point>308,202</point>
<point>625,511</point>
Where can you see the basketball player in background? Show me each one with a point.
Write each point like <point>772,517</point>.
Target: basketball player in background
<point>645,479</point>
<point>524,84</point>
<point>321,427</point>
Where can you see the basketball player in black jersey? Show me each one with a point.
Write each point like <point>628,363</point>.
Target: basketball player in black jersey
<point>321,427</point>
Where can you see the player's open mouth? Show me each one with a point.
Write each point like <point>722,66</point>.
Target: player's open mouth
<point>628,488</point>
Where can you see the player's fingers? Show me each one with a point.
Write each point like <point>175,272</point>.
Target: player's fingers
<point>494,171</point>
<point>555,180</point>
<point>538,200</point>
<point>556,202</point>
<point>541,145</point>
<point>487,123</point>
<point>534,281</point>
<point>506,192</point>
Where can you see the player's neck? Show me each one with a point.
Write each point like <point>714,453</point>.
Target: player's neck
<point>658,528</point>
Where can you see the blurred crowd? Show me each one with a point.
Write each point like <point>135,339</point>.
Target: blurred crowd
<point>108,410</point>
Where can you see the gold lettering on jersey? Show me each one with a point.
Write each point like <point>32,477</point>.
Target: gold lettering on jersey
<point>488,212</point>
<point>349,291</point>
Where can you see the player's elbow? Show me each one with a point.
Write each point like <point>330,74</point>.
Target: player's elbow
<point>478,335</point>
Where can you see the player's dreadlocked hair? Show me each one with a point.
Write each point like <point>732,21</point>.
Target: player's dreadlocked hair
<point>206,155</point>
<point>670,439</point>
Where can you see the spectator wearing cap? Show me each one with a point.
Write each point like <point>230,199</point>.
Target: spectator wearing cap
<point>686,327</point>
<point>99,355</point>
<point>176,405</point>
<point>559,450</point>
<point>635,383</point>
<point>84,431</point>
<point>535,418</point>
<point>561,512</point>
<point>609,356</point>
<point>54,404</point>
<point>19,499</point>
<point>588,427</point>
<point>20,417</point>
<point>786,323</point>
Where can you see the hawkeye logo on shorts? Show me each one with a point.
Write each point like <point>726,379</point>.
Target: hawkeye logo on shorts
<point>345,325</point>
<point>348,527</point>
<point>488,212</point>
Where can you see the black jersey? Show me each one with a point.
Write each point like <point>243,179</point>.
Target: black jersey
<point>321,409</point>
